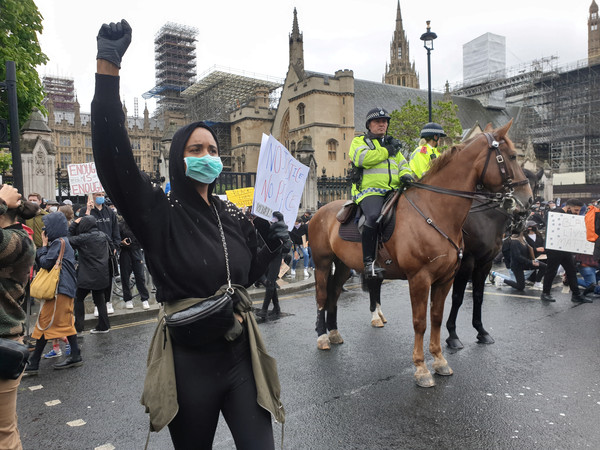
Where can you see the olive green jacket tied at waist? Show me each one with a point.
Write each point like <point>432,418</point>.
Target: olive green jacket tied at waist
<point>160,390</point>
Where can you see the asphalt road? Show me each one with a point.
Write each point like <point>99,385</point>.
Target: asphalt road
<point>536,387</point>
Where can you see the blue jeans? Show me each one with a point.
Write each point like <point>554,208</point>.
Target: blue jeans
<point>589,276</point>
<point>297,250</point>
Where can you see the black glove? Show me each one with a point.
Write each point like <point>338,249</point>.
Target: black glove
<point>406,179</point>
<point>113,41</point>
<point>392,145</point>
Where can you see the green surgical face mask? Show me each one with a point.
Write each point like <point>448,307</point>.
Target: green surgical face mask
<point>204,169</point>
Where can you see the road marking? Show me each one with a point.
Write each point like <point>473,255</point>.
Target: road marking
<point>53,402</point>
<point>76,423</point>
<point>106,447</point>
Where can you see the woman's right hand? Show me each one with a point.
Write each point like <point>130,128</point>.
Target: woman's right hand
<point>11,196</point>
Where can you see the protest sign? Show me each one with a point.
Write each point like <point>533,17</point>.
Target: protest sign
<point>241,197</point>
<point>566,232</point>
<point>280,182</point>
<point>83,179</point>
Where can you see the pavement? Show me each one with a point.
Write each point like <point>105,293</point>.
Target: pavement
<point>287,285</point>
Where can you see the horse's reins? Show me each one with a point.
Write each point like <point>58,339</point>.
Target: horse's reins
<point>492,197</point>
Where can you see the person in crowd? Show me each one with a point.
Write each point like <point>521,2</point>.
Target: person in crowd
<point>559,258</point>
<point>299,235</point>
<point>278,230</point>
<point>93,273</point>
<point>426,151</point>
<point>589,269</point>
<point>195,246</point>
<point>535,240</point>
<point>131,259</point>
<point>521,259</point>
<point>67,210</point>
<point>51,206</point>
<point>55,319</point>
<point>378,167</point>
<point>17,252</point>
<point>36,223</point>
<point>106,221</point>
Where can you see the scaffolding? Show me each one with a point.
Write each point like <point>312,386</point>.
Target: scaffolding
<point>61,91</point>
<point>559,111</point>
<point>220,91</point>
<point>175,65</point>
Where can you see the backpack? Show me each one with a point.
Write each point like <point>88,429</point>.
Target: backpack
<point>592,223</point>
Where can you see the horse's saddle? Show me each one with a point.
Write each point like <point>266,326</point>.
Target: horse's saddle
<point>350,218</point>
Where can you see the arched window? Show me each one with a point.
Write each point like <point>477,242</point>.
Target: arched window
<point>332,146</point>
<point>238,135</point>
<point>301,118</point>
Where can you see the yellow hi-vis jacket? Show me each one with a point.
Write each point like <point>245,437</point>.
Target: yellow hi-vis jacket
<point>381,173</point>
<point>421,158</point>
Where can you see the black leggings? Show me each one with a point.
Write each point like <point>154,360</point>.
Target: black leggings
<point>218,379</point>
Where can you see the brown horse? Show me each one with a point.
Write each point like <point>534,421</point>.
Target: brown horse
<point>426,245</point>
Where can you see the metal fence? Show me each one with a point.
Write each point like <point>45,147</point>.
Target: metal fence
<point>333,188</point>
<point>234,180</point>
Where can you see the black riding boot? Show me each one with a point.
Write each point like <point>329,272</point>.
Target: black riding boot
<point>369,243</point>
<point>276,311</point>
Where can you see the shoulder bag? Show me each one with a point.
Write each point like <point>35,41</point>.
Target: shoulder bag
<point>13,357</point>
<point>45,283</point>
<point>207,320</point>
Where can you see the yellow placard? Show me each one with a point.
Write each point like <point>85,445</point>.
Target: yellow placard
<point>241,197</point>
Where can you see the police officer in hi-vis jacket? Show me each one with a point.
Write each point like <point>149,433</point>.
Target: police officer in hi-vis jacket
<point>427,151</point>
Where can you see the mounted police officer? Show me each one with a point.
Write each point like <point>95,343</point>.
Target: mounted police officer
<point>427,151</point>
<point>378,167</point>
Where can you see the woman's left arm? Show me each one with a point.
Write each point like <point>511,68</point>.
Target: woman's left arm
<point>47,256</point>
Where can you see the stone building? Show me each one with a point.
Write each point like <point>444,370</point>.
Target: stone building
<point>593,32</point>
<point>400,71</point>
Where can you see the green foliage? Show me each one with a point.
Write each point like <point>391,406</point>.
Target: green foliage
<point>5,161</point>
<point>406,124</point>
<point>20,21</point>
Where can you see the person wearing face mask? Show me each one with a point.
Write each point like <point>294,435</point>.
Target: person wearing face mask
<point>559,258</point>
<point>196,247</point>
<point>106,221</point>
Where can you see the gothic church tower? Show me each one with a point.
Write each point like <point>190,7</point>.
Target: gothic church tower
<point>593,33</point>
<point>400,71</point>
<point>297,48</point>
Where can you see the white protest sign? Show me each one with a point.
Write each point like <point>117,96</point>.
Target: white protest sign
<point>280,182</point>
<point>83,179</point>
<point>566,232</point>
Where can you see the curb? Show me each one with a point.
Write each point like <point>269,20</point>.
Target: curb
<point>123,316</point>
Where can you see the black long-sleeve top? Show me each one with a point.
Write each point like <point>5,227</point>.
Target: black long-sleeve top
<point>179,232</point>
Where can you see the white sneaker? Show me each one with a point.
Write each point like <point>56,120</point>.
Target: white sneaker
<point>499,282</point>
<point>145,304</point>
<point>95,311</point>
<point>129,304</point>
<point>305,273</point>
<point>109,308</point>
<point>293,272</point>
<point>538,286</point>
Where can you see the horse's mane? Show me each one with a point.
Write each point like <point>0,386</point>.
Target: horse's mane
<point>443,160</point>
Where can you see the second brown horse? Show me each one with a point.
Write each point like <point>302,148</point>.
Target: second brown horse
<point>418,250</point>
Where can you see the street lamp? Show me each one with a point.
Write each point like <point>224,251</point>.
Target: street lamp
<point>427,39</point>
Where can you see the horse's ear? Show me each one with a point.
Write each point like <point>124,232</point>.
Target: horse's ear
<point>501,132</point>
<point>540,174</point>
<point>488,127</point>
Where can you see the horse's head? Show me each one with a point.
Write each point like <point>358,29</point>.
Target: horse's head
<point>500,172</point>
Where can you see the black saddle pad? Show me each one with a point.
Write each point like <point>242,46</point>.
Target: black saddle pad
<point>349,231</point>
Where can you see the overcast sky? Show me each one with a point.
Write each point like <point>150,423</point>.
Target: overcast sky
<point>252,36</point>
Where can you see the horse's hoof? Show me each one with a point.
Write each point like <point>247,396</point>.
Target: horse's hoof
<point>454,343</point>
<point>484,339</point>
<point>443,370</point>
<point>381,316</point>
<point>335,337</point>
<point>425,380</point>
<point>377,323</point>
<point>323,342</point>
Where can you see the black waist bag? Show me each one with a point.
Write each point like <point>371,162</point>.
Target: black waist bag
<point>13,357</point>
<point>203,322</point>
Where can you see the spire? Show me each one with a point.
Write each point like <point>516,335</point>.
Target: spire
<point>297,48</point>
<point>400,71</point>
<point>398,18</point>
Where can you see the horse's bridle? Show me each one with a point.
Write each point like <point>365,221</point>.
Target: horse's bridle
<point>495,197</point>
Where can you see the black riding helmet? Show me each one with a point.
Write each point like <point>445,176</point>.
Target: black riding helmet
<point>377,113</point>
<point>431,129</point>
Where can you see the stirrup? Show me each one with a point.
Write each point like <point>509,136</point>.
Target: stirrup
<point>373,271</point>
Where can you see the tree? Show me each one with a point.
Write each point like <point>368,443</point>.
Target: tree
<point>20,21</point>
<point>406,124</point>
<point>5,161</point>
